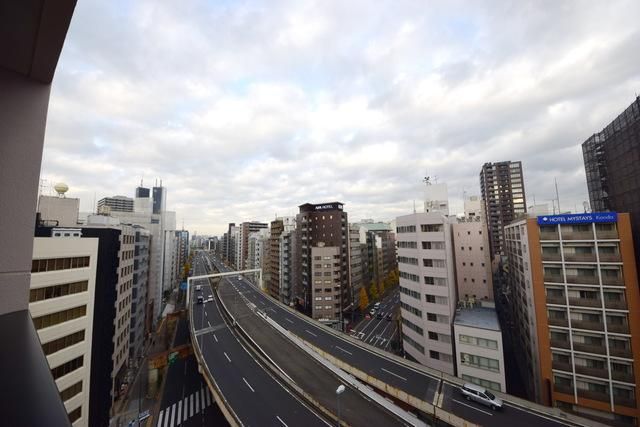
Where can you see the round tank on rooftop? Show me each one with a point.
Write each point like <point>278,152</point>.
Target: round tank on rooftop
<point>61,188</point>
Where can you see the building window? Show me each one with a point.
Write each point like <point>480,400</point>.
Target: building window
<point>64,342</point>
<point>54,264</point>
<point>480,362</point>
<point>434,355</point>
<point>413,343</point>
<point>433,336</point>
<point>413,326</point>
<point>67,368</point>
<point>71,391</point>
<point>480,342</point>
<point>411,309</point>
<point>56,291</point>
<point>59,317</point>
<point>75,414</point>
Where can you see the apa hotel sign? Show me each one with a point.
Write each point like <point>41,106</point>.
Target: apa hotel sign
<point>584,218</point>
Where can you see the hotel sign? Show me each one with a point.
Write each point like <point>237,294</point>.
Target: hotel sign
<point>585,218</point>
<point>329,207</point>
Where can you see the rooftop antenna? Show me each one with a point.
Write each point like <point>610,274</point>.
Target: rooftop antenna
<point>557,196</point>
<point>414,206</point>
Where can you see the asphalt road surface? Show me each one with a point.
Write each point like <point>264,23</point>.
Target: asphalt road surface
<point>256,397</point>
<point>404,377</point>
<point>379,332</point>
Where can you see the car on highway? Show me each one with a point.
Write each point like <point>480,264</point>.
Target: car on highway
<point>239,277</point>
<point>376,305</point>
<point>380,315</point>
<point>199,288</point>
<point>372,312</point>
<point>481,395</point>
<point>389,316</point>
<point>200,299</point>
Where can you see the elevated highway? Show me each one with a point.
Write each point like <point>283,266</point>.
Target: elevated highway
<point>431,395</point>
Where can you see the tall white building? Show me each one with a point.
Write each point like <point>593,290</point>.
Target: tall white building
<point>61,298</point>
<point>427,287</point>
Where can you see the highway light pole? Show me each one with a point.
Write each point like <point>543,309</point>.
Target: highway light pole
<point>339,391</point>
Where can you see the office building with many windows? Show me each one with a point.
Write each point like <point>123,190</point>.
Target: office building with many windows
<point>61,298</point>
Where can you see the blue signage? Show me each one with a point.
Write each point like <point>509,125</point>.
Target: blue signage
<point>583,218</point>
<point>183,286</point>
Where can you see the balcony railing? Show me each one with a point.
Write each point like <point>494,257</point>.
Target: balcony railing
<point>560,344</point>
<point>587,280</point>
<point>585,302</point>
<point>590,348</point>
<point>616,304</point>
<point>558,322</point>
<point>627,377</point>
<point>562,366</point>
<point>583,324</point>
<point>561,388</point>
<point>610,258</point>
<point>555,278</point>
<point>629,402</point>
<point>592,372</point>
<point>606,234</point>
<point>620,352</point>
<point>556,300</point>
<point>577,235</point>
<point>579,257</point>
<point>613,281</point>
<point>549,256</point>
<point>594,395</point>
<point>549,235</point>
<point>618,328</point>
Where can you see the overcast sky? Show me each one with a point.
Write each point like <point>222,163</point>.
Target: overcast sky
<point>248,109</point>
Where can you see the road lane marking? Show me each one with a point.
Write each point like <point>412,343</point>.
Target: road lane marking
<point>185,410</point>
<point>473,407</point>
<point>248,385</point>
<point>340,348</point>
<point>310,333</point>
<point>195,397</point>
<point>283,423</point>
<point>215,337</point>
<point>288,320</point>
<point>204,400</point>
<point>179,412</point>
<point>227,356</point>
<point>208,393</point>
<point>160,416</point>
<point>191,405</point>
<point>168,416</point>
<point>394,374</point>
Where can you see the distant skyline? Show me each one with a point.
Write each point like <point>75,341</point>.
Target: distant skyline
<point>248,109</point>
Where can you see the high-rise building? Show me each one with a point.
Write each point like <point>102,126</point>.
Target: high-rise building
<point>141,321</point>
<point>246,228</point>
<point>288,254</point>
<point>272,265</point>
<point>115,203</point>
<point>427,288</point>
<point>182,242</point>
<point>503,196</point>
<point>357,251</point>
<point>473,262</point>
<point>575,293</point>
<point>61,298</point>
<point>323,261</point>
<point>379,249</point>
<point>611,160</point>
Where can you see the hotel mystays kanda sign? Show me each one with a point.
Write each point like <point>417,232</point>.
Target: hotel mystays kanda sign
<point>584,218</point>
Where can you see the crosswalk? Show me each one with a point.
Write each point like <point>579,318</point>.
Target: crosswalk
<point>181,411</point>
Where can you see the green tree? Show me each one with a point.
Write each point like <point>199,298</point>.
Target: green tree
<point>364,299</point>
<point>373,291</point>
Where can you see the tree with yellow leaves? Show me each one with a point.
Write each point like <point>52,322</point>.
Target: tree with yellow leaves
<point>364,299</point>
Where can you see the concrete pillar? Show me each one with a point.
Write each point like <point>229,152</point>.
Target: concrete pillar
<point>23,114</point>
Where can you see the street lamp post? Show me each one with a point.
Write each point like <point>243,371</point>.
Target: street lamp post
<point>339,391</point>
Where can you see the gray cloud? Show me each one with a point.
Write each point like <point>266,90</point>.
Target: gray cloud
<point>249,109</point>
